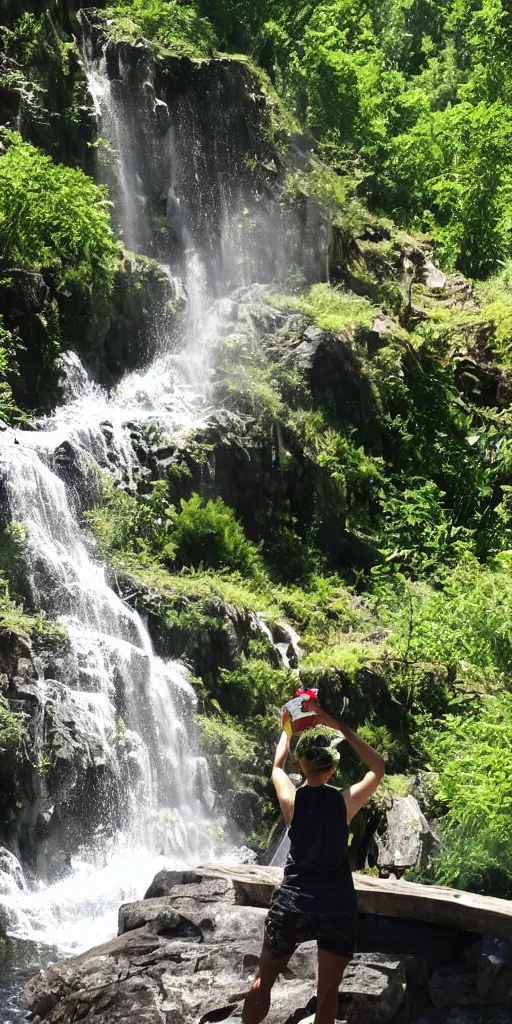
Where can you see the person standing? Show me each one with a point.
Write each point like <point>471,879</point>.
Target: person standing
<point>317,899</point>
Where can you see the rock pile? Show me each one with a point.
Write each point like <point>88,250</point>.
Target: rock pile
<point>186,954</point>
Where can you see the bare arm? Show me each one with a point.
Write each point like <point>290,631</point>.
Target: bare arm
<point>357,794</point>
<point>283,785</point>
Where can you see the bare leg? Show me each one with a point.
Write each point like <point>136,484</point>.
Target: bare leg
<point>330,973</point>
<point>257,1000</point>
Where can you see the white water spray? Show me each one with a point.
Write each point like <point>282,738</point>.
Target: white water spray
<point>134,713</point>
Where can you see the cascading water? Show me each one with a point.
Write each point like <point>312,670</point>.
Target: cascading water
<point>133,712</point>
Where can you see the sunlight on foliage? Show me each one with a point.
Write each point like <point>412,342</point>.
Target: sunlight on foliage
<point>176,28</point>
<point>471,757</point>
<point>329,307</point>
<point>53,216</point>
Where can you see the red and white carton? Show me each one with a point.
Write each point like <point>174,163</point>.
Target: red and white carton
<point>295,715</point>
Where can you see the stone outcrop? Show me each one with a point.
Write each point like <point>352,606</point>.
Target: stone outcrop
<point>187,952</point>
<point>407,839</point>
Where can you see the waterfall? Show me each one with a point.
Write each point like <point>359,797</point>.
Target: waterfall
<point>282,851</point>
<point>158,797</point>
<point>179,164</point>
<point>133,713</point>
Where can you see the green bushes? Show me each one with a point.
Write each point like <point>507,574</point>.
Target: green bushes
<point>463,621</point>
<point>411,99</point>
<point>202,533</point>
<point>255,692</point>
<point>55,222</point>
<point>55,219</point>
<point>208,534</point>
<point>8,370</point>
<point>230,752</point>
<point>43,65</point>
<point>331,308</point>
<point>178,29</point>
<point>12,729</point>
<point>471,758</point>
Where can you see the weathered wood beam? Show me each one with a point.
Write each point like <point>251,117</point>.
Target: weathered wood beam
<point>435,904</point>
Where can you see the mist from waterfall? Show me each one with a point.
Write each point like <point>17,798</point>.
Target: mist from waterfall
<point>135,711</point>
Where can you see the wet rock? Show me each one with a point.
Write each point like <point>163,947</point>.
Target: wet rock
<point>303,963</point>
<point>158,915</point>
<point>22,665</point>
<point>158,979</point>
<point>22,292</point>
<point>494,968</point>
<point>381,332</point>
<point>143,313</point>
<point>11,874</point>
<point>465,1015</point>
<point>164,882</point>
<point>407,839</point>
<point>453,986</point>
<point>287,642</point>
<point>372,990</point>
<point>188,884</point>
<point>162,116</point>
<point>80,474</point>
<point>483,383</point>
<point>431,276</point>
<point>334,369</point>
<point>479,1015</point>
<point>254,885</point>
<point>230,632</point>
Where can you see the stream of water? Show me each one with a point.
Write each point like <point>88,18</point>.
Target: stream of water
<point>156,808</point>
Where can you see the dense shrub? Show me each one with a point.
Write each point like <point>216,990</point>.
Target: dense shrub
<point>54,219</point>
<point>462,621</point>
<point>255,691</point>
<point>207,533</point>
<point>172,25</point>
<point>55,222</point>
<point>471,757</point>
<point>202,533</point>
<point>231,753</point>
<point>12,728</point>
<point>8,371</point>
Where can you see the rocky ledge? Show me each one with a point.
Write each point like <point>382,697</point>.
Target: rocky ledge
<point>188,951</point>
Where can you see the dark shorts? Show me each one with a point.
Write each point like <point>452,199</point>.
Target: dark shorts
<point>286,929</point>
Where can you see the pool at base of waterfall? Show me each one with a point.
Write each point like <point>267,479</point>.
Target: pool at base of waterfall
<point>19,961</point>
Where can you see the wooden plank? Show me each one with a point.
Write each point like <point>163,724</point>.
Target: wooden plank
<point>434,904</point>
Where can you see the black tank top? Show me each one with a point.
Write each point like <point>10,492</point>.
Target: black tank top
<point>317,876</point>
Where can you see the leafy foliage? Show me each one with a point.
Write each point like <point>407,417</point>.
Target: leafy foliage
<point>383,531</point>
<point>54,222</point>
<point>54,217</point>
<point>43,64</point>
<point>177,28</point>
<point>471,757</point>
<point>202,533</point>
<point>9,411</point>
<point>12,729</point>
<point>330,308</point>
<point>231,753</point>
